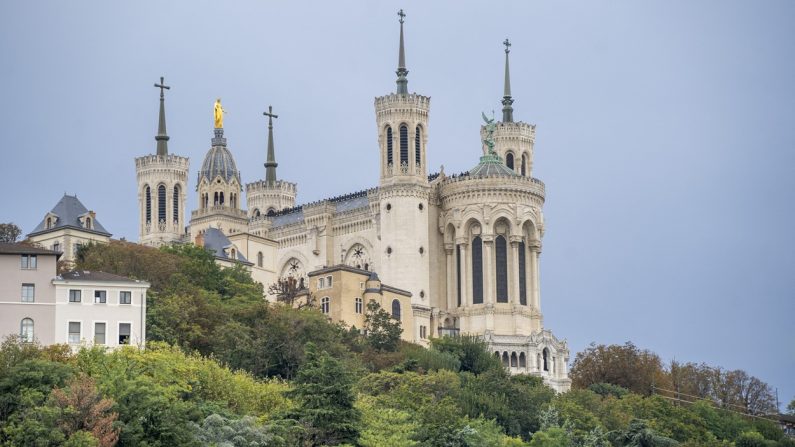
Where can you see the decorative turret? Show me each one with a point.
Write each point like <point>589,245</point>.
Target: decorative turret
<point>513,141</point>
<point>402,120</point>
<point>271,195</point>
<point>161,187</point>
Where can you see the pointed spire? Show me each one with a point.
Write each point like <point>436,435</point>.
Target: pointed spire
<point>162,137</point>
<point>507,101</point>
<point>270,164</point>
<point>402,82</point>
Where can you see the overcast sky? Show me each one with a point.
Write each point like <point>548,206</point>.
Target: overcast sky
<point>665,136</point>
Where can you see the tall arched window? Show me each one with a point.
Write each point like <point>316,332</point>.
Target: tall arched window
<point>26,330</point>
<point>502,269</point>
<point>505,359</point>
<point>389,145</point>
<point>161,203</point>
<point>257,212</point>
<point>545,353</point>
<point>215,202</point>
<point>509,160</point>
<point>148,194</point>
<point>49,222</point>
<point>477,270</point>
<point>514,360</point>
<point>88,223</point>
<point>325,305</point>
<point>396,309</point>
<point>176,203</point>
<point>417,151</point>
<point>221,198</point>
<point>522,360</point>
<point>259,259</point>
<point>522,275</point>
<point>458,273</point>
<point>404,144</point>
<point>524,164</point>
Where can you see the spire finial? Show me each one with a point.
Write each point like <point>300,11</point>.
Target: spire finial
<point>162,137</point>
<point>270,164</point>
<point>507,101</point>
<point>402,82</point>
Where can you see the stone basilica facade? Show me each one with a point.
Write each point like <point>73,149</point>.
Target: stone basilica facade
<point>467,247</point>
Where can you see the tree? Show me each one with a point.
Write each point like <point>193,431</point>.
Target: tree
<point>9,233</point>
<point>323,390</point>
<point>383,331</point>
<point>220,431</point>
<point>551,437</point>
<point>288,290</point>
<point>626,366</point>
<point>83,409</point>
<point>791,407</point>
<point>471,350</point>
<point>638,434</point>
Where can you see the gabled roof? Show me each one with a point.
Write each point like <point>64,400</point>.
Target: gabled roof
<point>68,211</point>
<point>25,249</point>
<point>86,275</point>
<point>217,242</point>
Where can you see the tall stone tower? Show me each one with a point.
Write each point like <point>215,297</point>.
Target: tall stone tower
<point>513,141</point>
<point>161,188</point>
<point>265,197</point>
<point>402,120</point>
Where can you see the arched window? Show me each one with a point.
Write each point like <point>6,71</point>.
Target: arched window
<point>458,273</point>
<point>396,309</point>
<point>257,212</point>
<point>388,145</point>
<point>545,353</point>
<point>325,305</point>
<point>88,223</point>
<point>26,330</point>
<point>514,360</point>
<point>505,359</point>
<point>148,194</point>
<point>221,198</point>
<point>233,254</point>
<point>509,160</point>
<point>502,269</point>
<point>404,144</point>
<point>522,360</point>
<point>49,222</point>
<point>497,354</point>
<point>477,270</point>
<point>176,204</point>
<point>524,164</point>
<point>259,259</point>
<point>161,203</point>
<point>522,275</point>
<point>271,211</point>
<point>417,151</point>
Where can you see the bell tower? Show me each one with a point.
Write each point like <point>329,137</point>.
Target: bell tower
<point>269,196</point>
<point>403,216</point>
<point>161,188</point>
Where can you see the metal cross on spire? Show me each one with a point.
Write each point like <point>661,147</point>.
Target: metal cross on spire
<point>162,86</point>
<point>162,137</point>
<point>401,14</point>
<point>402,72</point>
<point>270,163</point>
<point>507,44</point>
<point>507,100</point>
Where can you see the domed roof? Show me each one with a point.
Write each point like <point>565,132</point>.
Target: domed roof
<point>491,165</point>
<point>219,161</point>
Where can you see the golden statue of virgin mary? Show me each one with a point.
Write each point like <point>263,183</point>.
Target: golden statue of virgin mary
<point>218,114</point>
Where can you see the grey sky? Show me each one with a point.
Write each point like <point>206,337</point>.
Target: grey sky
<point>665,135</point>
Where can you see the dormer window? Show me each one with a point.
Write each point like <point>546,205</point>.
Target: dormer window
<point>88,223</point>
<point>49,223</point>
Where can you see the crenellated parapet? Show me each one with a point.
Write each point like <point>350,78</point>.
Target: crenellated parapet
<point>264,198</point>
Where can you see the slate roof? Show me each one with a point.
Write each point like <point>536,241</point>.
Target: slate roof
<point>25,249</point>
<point>69,209</point>
<point>86,275</point>
<point>219,161</point>
<point>491,165</point>
<point>216,241</point>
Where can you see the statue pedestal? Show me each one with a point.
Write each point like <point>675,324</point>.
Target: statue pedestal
<point>219,139</point>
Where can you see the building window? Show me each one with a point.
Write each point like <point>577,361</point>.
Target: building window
<point>388,146</point>
<point>458,273</point>
<point>74,296</point>
<point>358,305</point>
<point>124,333</point>
<point>509,160</point>
<point>477,270</point>
<point>396,309</point>
<point>74,332</point>
<point>259,259</point>
<point>423,332</point>
<point>99,333</point>
<point>125,297</point>
<point>148,194</point>
<point>404,144</point>
<point>522,360</point>
<point>328,281</point>
<point>100,297</point>
<point>325,305</point>
<point>28,262</point>
<point>49,223</point>
<point>545,353</point>
<point>502,269</point>
<point>361,286</point>
<point>417,152</point>
<point>175,202</point>
<point>88,223</point>
<point>28,293</point>
<point>161,203</point>
<point>26,330</point>
<point>321,283</point>
<point>505,359</point>
<point>514,360</point>
<point>522,275</point>
<point>56,247</point>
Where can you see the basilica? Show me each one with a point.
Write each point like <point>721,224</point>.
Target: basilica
<point>462,250</point>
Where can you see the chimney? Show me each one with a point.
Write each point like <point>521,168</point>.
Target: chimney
<point>199,240</point>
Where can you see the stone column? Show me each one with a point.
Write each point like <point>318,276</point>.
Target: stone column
<point>489,284</point>
<point>513,271</point>
<point>535,253</point>
<point>449,251</point>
